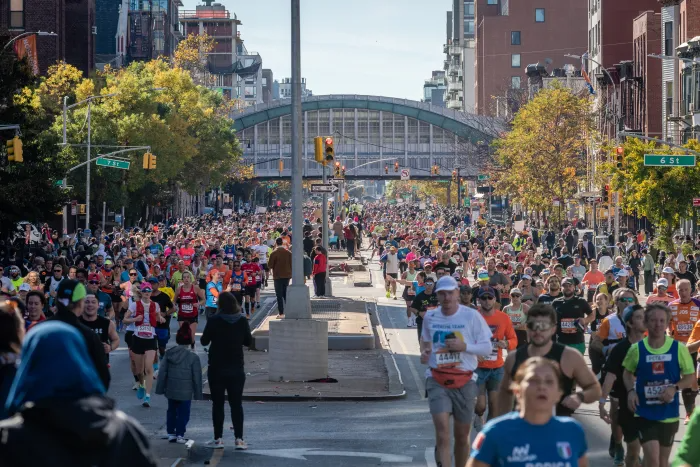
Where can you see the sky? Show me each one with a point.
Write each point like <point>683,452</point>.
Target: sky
<point>373,47</point>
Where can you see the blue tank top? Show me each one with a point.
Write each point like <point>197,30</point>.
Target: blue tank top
<point>655,372</point>
<point>510,440</point>
<point>211,299</point>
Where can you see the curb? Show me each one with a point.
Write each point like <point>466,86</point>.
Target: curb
<point>397,389</point>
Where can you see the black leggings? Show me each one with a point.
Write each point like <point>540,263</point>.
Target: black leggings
<point>231,382</point>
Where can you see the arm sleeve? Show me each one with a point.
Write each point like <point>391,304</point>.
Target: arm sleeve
<point>247,336</point>
<point>632,358</point>
<point>162,377</point>
<point>196,378</point>
<point>425,333</point>
<point>482,337</point>
<point>206,335</point>
<point>685,360</point>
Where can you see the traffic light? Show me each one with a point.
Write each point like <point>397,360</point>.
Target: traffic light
<point>434,170</point>
<point>330,151</point>
<point>342,171</point>
<point>396,166</point>
<point>14,150</point>
<point>386,169</point>
<point>149,161</point>
<point>610,194</point>
<point>318,150</point>
<point>454,175</point>
<point>619,156</point>
<point>605,194</point>
<point>337,170</point>
<point>281,165</point>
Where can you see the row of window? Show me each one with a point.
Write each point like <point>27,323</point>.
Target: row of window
<point>539,12</point>
<point>16,14</point>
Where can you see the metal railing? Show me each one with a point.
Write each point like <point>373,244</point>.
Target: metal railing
<point>204,14</point>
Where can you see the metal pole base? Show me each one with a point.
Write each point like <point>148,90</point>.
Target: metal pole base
<point>298,349</point>
<point>329,287</point>
<point>298,303</point>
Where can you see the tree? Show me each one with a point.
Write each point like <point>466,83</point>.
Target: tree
<point>663,194</point>
<point>423,189</point>
<point>191,55</point>
<point>543,156</point>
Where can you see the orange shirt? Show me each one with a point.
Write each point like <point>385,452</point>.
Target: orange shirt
<point>594,278</point>
<point>695,333</point>
<point>501,328</point>
<point>683,318</point>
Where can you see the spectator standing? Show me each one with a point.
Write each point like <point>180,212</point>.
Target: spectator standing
<point>280,263</point>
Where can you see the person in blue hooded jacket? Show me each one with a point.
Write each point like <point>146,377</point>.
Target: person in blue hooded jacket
<point>58,403</point>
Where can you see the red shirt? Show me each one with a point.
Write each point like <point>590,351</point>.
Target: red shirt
<point>253,271</point>
<point>319,264</point>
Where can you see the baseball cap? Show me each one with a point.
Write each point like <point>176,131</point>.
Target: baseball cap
<point>487,291</point>
<point>446,283</point>
<point>153,280</point>
<point>629,311</point>
<point>465,289</point>
<point>668,270</point>
<point>568,280</point>
<point>146,286</point>
<point>526,277</point>
<point>25,287</point>
<point>515,291</point>
<point>483,274</point>
<point>93,277</point>
<point>70,291</point>
<point>623,273</point>
<point>610,271</point>
<point>663,282</point>
<point>161,278</point>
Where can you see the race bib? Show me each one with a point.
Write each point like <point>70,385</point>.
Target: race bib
<point>494,352</point>
<point>653,391</point>
<point>411,292</point>
<point>568,326</point>
<point>684,327</point>
<point>447,359</point>
<point>144,332</point>
<point>516,319</point>
<point>214,300</point>
<point>185,307</point>
<point>236,287</point>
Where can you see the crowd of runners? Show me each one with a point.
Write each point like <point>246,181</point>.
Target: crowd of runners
<point>528,319</point>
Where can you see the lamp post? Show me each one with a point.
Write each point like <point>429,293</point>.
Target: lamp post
<point>66,107</point>
<point>25,34</point>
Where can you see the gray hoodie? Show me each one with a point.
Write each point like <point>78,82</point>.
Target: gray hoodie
<point>180,375</point>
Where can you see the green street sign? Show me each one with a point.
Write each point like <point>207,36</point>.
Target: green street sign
<point>115,164</point>
<point>483,177</point>
<point>665,160</point>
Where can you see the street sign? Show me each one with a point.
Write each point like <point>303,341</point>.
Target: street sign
<point>74,208</point>
<point>665,160</point>
<point>594,199</point>
<point>696,202</point>
<point>405,174</point>
<point>483,177</point>
<point>335,181</point>
<point>116,164</point>
<point>320,188</point>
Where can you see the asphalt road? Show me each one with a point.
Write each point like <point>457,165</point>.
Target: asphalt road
<point>314,434</point>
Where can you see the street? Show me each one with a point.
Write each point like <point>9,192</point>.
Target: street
<point>312,434</point>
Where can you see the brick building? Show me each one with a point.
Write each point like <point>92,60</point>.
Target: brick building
<point>646,96</point>
<point>72,20</point>
<point>513,34</point>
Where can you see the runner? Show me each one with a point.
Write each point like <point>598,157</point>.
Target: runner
<point>409,293</point>
<point>253,273</point>
<point>574,314</point>
<point>622,420</point>
<point>684,316</point>
<point>103,327</point>
<point>453,337</point>
<point>533,433</point>
<point>656,368</point>
<point>425,301</point>
<point>541,326</point>
<point>517,312</point>
<point>490,368</point>
<point>187,299</point>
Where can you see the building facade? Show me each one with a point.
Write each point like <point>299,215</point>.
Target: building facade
<point>152,29</point>
<point>646,99</point>
<point>434,89</point>
<point>72,21</point>
<point>688,53</point>
<point>459,56</point>
<point>670,76</point>
<point>285,89</point>
<point>267,82</point>
<point>513,34</point>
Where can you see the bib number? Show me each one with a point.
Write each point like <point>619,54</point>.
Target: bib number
<point>186,307</point>
<point>568,326</point>
<point>684,327</point>
<point>448,359</point>
<point>236,287</point>
<point>494,352</point>
<point>144,332</point>
<point>653,391</point>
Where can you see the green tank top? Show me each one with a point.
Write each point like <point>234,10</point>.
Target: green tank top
<point>411,277</point>
<point>517,317</point>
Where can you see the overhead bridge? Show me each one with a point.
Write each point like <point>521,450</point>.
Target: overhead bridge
<point>371,133</point>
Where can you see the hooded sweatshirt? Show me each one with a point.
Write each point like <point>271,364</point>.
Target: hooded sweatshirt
<point>227,334</point>
<point>180,375</point>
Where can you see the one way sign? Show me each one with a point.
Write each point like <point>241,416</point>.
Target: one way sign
<point>321,188</point>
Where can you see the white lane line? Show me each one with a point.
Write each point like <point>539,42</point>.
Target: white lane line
<point>407,355</point>
<point>430,457</point>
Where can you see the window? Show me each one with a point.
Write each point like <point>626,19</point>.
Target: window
<point>515,82</point>
<point>668,38</point>
<point>492,2</point>
<point>264,81</point>
<point>539,15</point>
<point>515,38</point>
<point>515,60</point>
<point>468,9</point>
<point>469,26</point>
<point>16,14</point>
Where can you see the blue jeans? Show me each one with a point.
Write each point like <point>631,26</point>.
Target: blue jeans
<point>178,416</point>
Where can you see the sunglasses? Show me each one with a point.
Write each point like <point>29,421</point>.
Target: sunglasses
<point>516,295</point>
<point>133,274</point>
<point>539,326</point>
<point>146,290</point>
<point>429,283</point>
<point>626,299</point>
<point>93,282</point>
<point>487,297</point>
<point>55,270</point>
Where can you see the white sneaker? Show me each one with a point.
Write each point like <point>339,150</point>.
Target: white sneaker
<point>181,440</point>
<point>215,444</point>
<point>135,386</point>
<point>241,445</point>
<point>172,438</point>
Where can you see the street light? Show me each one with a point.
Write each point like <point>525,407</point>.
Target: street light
<point>588,57</point>
<point>65,141</point>
<point>25,34</point>
<point>671,57</point>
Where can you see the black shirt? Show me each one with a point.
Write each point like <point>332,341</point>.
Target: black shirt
<point>569,311</point>
<point>614,365</point>
<point>422,303</point>
<point>227,333</point>
<point>165,304</point>
<point>547,299</point>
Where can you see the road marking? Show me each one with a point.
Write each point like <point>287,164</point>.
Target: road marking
<point>179,461</point>
<point>430,457</point>
<point>216,457</point>
<point>301,453</point>
<point>404,350</point>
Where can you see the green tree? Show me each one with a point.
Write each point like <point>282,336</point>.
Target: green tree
<point>543,156</point>
<point>663,194</point>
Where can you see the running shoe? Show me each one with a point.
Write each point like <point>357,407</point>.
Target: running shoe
<point>181,440</point>
<point>241,445</point>
<point>215,444</point>
<point>135,386</point>
<point>619,458</point>
<point>388,294</point>
<point>172,438</point>
<point>611,446</point>
<point>141,391</point>
<point>147,401</point>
